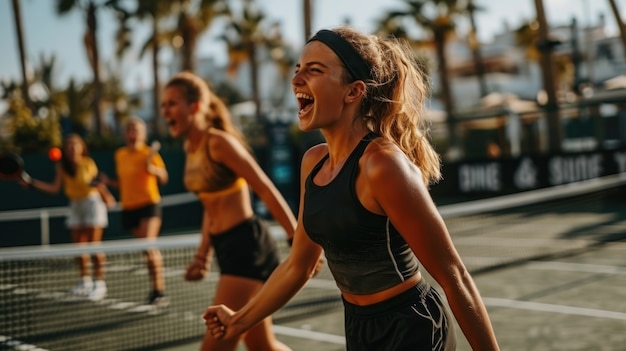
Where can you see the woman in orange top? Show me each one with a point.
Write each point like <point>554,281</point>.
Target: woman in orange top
<point>140,170</point>
<point>77,174</point>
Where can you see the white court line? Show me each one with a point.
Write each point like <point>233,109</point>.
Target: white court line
<point>577,267</point>
<point>328,284</point>
<point>508,242</point>
<point>309,334</point>
<point>545,307</point>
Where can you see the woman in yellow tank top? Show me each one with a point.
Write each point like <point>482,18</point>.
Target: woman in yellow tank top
<point>77,174</point>
<point>221,170</point>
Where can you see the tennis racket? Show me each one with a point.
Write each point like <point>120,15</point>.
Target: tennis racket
<point>155,146</point>
<point>12,167</point>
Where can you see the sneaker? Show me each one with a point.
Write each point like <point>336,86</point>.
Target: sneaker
<point>98,292</point>
<point>83,287</point>
<point>158,299</point>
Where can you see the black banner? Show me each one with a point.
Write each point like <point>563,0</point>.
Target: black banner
<point>510,175</point>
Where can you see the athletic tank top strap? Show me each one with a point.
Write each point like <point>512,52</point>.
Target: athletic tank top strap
<point>352,160</point>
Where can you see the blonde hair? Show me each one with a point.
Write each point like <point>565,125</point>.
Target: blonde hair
<point>195,89</point>
<point>394,104</point>
<point>136,121</point>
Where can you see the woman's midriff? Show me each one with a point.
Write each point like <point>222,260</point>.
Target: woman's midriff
<point>364,300</point>
<point>225,211</point>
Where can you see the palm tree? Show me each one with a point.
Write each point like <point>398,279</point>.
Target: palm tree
<point>155,11</point>
<point>546,46</point>
<point>620,24</point>
<point>121,103</point>
<point>243,36</point>
<point>192,18</point>
<point>17,16</point>
<point>89,9</point>
<point>37,134</point>
<point>474,45</point>
<point>285,59</point>
<point>308,16</point>
<point>437,17</point>
<point>78,108</point>
<point>51,98</point>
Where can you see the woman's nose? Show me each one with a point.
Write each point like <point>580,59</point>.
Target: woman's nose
<point>296,80</point>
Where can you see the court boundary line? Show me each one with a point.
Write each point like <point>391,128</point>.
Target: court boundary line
<point>309,334</point>
<point>554,308</point>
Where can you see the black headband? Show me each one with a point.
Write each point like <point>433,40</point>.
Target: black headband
<point>355,64</point>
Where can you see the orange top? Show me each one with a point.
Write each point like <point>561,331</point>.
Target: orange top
<point>137,187</point>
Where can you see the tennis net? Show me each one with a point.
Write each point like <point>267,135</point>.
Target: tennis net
<point>36,312</point>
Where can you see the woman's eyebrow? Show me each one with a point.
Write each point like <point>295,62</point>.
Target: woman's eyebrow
<point>312,63</point>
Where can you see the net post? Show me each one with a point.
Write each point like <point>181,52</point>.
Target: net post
<point>44,218</point>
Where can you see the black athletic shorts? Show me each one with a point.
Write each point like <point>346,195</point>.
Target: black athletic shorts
<point>246,250</point>
<point>414,320</point>
<point>131,218</point>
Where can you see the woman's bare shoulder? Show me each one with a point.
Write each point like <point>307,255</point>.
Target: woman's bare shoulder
<point>315,152</point>
<point>383,158</point>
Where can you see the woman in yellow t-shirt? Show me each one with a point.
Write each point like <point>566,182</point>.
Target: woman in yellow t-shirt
<point>77,174</point>
<point>140,169</point>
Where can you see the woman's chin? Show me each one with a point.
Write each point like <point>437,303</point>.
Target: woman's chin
<point>174,132</point>
<point>305,122</point>
<point>305,126</point>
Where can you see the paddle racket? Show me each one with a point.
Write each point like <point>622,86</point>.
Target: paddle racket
<point>155,146</point>
<point>12,167</point>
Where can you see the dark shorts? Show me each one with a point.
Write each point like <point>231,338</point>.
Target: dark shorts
<point>247,250</point>
<point>132,218</point>
<point>414,320</point>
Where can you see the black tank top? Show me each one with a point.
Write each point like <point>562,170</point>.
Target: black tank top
<point>365,253</point>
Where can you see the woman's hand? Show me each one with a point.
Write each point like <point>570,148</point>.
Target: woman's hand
<point>104,178</point>
<point>197,269</point>
<point>219,322</point>
<point>107,197</point>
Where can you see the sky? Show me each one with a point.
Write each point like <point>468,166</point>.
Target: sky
<point>48,34</point>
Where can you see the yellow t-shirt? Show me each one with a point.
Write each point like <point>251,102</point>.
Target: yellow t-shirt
<point>137,187</point>
<point>79,186</point>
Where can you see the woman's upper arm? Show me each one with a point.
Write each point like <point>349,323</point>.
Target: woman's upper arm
<point>225,149</point>
<point>398,188</point>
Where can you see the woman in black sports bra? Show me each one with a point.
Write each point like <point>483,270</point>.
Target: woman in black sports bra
<point>365,203</point>
<point>221,170</point>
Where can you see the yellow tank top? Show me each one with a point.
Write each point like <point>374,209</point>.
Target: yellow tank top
<point>203,174</point>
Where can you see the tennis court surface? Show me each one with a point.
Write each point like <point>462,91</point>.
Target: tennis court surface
<point>550,265</point>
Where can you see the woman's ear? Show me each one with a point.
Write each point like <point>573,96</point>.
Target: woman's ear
<point>357,91</point>
<point>195,107</point>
